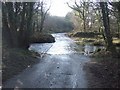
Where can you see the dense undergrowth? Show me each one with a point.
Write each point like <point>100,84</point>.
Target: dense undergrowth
<point>41,38</point>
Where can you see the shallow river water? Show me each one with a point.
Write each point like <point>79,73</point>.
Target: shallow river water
<point>61,66</point>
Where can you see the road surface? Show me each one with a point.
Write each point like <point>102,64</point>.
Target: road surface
<point>61,67</point>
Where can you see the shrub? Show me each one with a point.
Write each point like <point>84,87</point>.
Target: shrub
<point>41,38</point>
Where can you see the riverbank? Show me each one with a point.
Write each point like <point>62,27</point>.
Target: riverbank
<point>38,37</point>
<point>15,60</point>
<point>103,72</point>
<point>61,67</point>
<point>90,38</point>
<point>103,69</point>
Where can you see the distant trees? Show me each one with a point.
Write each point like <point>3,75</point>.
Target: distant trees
<point>76,21</point>
<point>42,12</point>
<point>54,24</point>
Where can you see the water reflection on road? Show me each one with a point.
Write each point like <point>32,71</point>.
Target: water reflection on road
<point>61,67</point>
<point>63,45</point>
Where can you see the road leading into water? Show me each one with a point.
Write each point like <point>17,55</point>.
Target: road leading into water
<point>61,67</point>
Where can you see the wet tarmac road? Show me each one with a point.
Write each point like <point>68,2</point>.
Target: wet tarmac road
<point>61,67</point>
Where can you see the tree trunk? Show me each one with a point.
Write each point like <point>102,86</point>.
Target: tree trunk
<point>6,34</point>
<point>22,23</point>
<point>107,33</point>
<point>12,24</point>
<point>84,20</point>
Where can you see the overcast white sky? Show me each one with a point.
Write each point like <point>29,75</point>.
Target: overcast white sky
<point>59,8</point>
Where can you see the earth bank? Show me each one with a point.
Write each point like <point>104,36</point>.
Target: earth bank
<point>15,60</point>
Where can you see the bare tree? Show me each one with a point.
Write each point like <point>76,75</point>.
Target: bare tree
<point>106,24</point>
<point>42,11</point>
<point>83,10</point>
